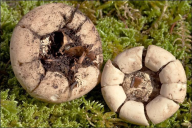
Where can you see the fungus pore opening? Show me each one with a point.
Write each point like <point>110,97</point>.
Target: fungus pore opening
<point>63,52</point>
<point>142,86</point>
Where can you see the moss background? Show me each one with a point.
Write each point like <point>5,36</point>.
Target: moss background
<point>121,25</point>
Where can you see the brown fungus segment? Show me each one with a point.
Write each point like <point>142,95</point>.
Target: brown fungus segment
<point>52,57</point>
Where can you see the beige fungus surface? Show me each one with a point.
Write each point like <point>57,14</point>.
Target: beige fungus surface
<point>153,85</point>
<point>29,38</point>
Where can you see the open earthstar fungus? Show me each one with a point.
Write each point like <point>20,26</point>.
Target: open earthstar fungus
<point>56,53</point>
<point>131,85</point>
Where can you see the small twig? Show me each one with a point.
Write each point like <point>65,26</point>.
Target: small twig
<point>132,81</point>
<point>171,30</point>
<point>155,24</point>
<point>73,85</point>
<point>89,120</point>
<point>52,60</point>
<point>82,58</point>
<point>172,27</point>
<point>101,14</point>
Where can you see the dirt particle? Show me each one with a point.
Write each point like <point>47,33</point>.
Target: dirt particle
<point>22,26</point>
<point>82,89</point>
<point>55,86</point>
<point>58,75</point>
<point>20,63</point>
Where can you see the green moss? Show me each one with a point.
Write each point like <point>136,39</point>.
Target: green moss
<point>115,37</point>
<point>121,25</point>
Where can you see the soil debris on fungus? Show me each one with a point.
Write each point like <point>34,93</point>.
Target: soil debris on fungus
<point>63,53</point>
<point>60,53</point>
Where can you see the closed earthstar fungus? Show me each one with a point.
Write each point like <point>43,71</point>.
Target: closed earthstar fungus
<point>144,85</point>
<point>56,53</point>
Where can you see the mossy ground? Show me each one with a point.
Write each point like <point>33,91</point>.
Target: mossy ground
<point>121,25</point>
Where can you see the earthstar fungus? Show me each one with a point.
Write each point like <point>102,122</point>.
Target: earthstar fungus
<point>144,85</point>
<point>56,53</point>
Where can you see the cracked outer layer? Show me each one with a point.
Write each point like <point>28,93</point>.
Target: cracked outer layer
<point>114,96</point>
<point>111,75</point>
<point>133,61</point>
<point>167,77</point>
<point>160,109</point>
<point>133,112</point>
<point>157,57</point>
<point>50,86</point>
<point>177,74</point>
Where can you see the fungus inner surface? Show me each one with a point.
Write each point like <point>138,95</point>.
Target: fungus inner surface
<point>141,86</point>
<point>63,52</point>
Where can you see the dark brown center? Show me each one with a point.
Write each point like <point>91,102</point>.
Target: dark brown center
<point>141,86</point>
